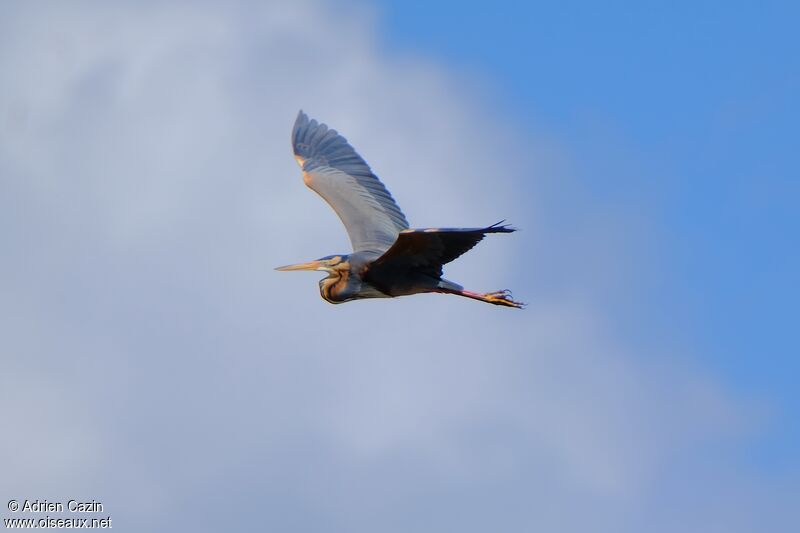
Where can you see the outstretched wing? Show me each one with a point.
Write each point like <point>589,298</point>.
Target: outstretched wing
<point>333,169</point>
<point>426,250</point>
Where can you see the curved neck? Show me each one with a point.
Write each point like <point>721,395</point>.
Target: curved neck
<point>333,288</point>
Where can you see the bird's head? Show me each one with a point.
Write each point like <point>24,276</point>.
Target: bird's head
<point>328,264</point>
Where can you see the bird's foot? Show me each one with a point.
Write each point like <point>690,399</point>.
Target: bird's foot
<point>502,298</point>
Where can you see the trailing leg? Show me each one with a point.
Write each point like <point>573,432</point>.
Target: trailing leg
<point>497,297</point>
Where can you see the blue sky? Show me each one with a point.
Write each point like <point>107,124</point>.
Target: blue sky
<point>689,108</point>
<point>153,360</point>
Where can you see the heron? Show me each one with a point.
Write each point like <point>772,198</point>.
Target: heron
<point>389,259</point>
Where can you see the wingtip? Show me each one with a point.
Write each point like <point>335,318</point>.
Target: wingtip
<point>501,227</point>
<point>300,124</point>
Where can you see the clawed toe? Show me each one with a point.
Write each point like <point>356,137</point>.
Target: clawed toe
<point>505,293</point>
<point>502,297</point>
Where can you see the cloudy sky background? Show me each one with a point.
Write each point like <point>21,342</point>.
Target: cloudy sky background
<point>154,361</point>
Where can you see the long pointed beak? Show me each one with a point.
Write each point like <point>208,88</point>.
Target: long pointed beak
<point>311,265</point>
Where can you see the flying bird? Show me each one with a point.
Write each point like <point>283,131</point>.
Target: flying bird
<point>389,259</point>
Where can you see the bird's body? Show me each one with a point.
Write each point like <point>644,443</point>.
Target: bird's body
<point>389,259</point>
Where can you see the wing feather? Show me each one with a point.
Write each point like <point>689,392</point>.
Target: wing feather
<point>426,250</point>
<point>333,169</point>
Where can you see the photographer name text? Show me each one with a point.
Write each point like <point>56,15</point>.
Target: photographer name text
<point>45,506</point>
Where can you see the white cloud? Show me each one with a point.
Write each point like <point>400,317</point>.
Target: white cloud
<point>156,362</point>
